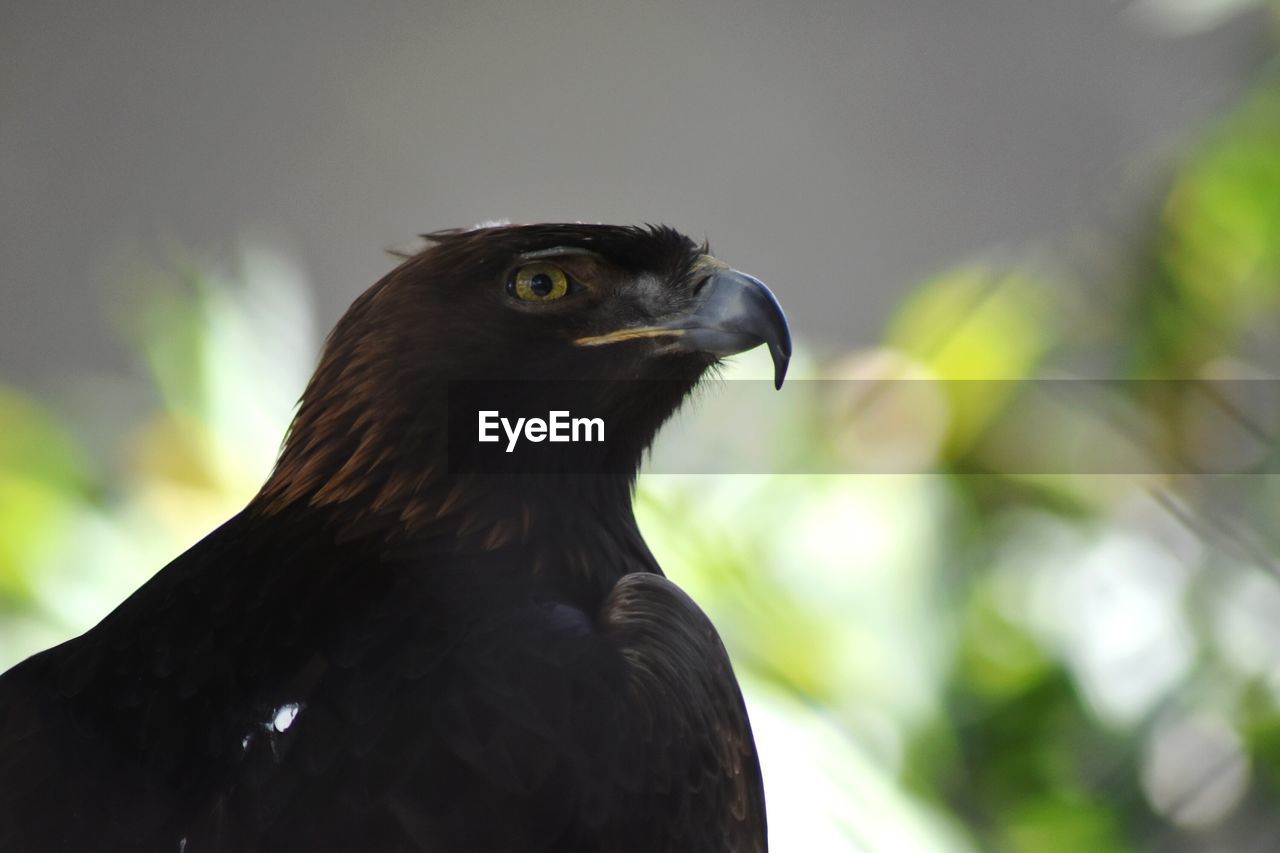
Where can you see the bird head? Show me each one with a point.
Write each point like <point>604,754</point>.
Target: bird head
<point>574,302</point>
<point>617,307</point>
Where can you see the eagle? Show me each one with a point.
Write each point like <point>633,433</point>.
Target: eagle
<point>403,643</point>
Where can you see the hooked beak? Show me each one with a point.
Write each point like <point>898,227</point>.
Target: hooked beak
<point>735,313</point>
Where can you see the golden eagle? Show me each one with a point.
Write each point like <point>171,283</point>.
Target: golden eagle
<point>402,643</point>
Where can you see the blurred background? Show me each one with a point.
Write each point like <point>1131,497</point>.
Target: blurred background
<point>982,654</point>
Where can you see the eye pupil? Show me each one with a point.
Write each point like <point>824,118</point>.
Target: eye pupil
<point>541,284</point>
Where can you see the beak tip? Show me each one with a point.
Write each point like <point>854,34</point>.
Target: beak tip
<point>781,353</point>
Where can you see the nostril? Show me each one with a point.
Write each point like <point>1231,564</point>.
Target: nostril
<point>700,284</point>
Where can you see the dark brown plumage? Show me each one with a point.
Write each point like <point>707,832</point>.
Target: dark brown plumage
<point>392,648</point>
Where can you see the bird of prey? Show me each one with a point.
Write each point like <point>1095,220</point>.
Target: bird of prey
<point>398,646</point>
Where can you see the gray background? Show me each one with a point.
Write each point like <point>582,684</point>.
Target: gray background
<point>839,150</point>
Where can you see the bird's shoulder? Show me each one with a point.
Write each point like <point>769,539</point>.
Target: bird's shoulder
<point>617,724</point>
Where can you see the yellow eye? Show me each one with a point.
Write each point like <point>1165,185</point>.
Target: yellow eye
<point>538,283</point>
